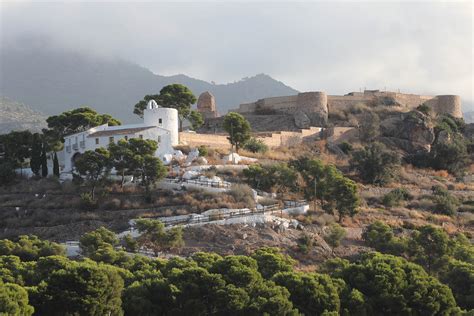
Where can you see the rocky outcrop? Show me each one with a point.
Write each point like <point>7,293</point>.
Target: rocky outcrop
<point>412,132</point>
<point>301,120</point>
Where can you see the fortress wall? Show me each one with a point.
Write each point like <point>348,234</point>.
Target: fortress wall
<point>284,104</point>
<point>272,141</point>
<point>337,102</point>
<point>446,104</point>
<point>211,140</point>
<point>318,103</point>
<point>411,101</point>
<point>246,108</point>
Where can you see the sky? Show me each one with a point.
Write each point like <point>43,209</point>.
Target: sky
<point>415,47</point>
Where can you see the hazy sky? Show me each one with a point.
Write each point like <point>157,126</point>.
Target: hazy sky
<point>420,47</point>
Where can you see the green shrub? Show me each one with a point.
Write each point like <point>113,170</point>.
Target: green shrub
<point>305,244</point>
<point>376,164</point>
<point>335,234</point>
<point>423,108</point>
<point>255,145</point>
<point>445,202</point>
<point>395,197</point>
<point>203,151</point>
<point>345,147</point>
<point>87,202</point>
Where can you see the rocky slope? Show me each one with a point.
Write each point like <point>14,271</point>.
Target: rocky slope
<point>17,116</point>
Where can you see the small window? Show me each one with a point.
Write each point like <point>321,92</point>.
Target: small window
<point>111,139</point>
<point>159,139</point>
<point>97,141</point>
<point>160,121</point>
<point>126,137</point>
<point>140,136</point>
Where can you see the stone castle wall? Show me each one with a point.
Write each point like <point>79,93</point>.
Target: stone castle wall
<point>316,105</point>
<point>272,140</point>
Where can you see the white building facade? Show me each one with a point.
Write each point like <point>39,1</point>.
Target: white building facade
<point>159,124</point>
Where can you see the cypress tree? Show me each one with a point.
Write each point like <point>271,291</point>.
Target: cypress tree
<point>35,161</point>
<point>44,162</point>
<point>56,165</point>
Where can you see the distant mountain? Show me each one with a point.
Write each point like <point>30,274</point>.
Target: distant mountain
<point>53,81</point>
<point>16,116</point>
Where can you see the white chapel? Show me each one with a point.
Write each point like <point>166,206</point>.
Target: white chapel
<point>159,124</point>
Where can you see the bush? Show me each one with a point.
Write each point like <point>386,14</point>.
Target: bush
<point>345,147</point>
<point>395,197</point>
<point>380,236</point>
<point>256,146</point>
<point>335,234</point>
<point>305,244</point>
<point>87,202</point>
<point>445,202</point>
<point>203,152</point>
<point>376,164</point>
<point>423,108</point>
<point>242,193</point>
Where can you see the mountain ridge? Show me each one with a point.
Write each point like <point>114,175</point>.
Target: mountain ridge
<point>53,81</point>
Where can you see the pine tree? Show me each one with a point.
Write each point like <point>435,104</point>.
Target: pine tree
<point>55,165</point>
<point>44,162</point>
<point>35,161</point>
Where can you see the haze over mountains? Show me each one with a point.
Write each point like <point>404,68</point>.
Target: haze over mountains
<point>52,81</point>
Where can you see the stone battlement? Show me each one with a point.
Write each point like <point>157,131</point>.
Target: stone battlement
<point>312,108</point>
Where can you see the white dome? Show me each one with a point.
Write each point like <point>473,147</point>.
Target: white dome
<point>152,104</point>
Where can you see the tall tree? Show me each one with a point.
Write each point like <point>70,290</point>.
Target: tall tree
<point>122,158</point>
<point>94,166</point>
<point>196,119</point>
<point>175,96</point>
<point>55,165</point>
<point>44,161</point>
<point>36,150</point>
<point>17,147</point>
<point>238,128</point>
<point>152,170</point>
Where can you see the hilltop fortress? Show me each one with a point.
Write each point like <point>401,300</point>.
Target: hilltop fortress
<point>313,108</point>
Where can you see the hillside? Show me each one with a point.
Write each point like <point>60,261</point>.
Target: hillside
<point>53,81</point>
<point>17,116</point>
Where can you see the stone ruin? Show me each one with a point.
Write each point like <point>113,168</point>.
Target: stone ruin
<point>290,113</point>
<point>206,105</point>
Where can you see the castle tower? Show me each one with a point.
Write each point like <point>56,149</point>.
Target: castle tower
<point>166,118</point>
<point>315,106</point>
<point>206,105</point>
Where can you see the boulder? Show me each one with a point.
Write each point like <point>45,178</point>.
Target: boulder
<point>301,119</point>
<point>193,154</point>
<point>412,132</point>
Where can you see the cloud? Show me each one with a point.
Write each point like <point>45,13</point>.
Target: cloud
<point>336,47</point>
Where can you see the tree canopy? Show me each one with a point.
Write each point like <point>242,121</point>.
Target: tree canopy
<point>78,120</point>
<point>175,96</point>
<point>238,128</point>
<point>206,283</point>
